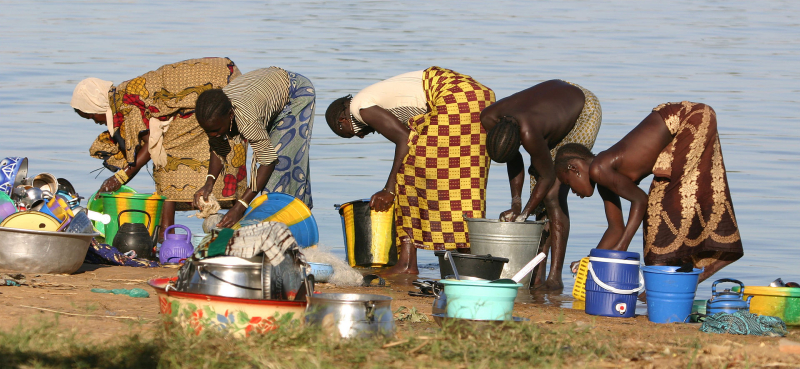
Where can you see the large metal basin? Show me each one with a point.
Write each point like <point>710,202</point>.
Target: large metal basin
<point>517,241</point>
<point>31,251</point>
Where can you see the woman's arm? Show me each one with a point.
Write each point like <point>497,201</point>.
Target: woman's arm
<point>624,187</point>
<point>390,127</point>
<point>542,163</point>
<point>516,178</point>
<point>113,183</point>
<point>616,224</point>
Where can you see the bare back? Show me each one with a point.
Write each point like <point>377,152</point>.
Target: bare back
<point>548,110</point>
<point>635,154</point>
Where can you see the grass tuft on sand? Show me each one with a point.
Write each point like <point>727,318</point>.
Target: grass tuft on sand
<point>423,345</point>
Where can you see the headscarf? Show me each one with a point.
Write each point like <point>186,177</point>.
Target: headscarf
<point>91,97</point>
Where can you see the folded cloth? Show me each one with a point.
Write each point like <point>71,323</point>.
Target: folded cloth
<point>742,322</point>
<point>272,239</point>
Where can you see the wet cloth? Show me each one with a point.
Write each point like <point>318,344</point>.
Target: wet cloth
<point>100,253</point>
<point>745,323</point>
<point>690,214</point>
<point>161,103</point>
<point>584,132</point>
<point>269,238</point>
<point>444,175</point>
<point>281,134</point>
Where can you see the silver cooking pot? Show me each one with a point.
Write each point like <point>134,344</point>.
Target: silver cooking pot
<point>252,278</point>
<point>354,314</point>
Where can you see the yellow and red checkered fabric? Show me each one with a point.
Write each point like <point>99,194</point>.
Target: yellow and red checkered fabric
<point>444,174</point>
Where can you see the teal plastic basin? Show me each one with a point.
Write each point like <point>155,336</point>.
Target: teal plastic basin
<point>480,300</point>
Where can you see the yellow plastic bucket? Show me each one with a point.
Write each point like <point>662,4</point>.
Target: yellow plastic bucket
<point>114,203</point>
<point>369,236</point>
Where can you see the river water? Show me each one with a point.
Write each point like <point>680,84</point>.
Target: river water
<point>740,57</point>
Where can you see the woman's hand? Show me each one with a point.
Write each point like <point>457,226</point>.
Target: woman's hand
<point>232,216</point>
<point>203,192</point>
<point>110,185</point>
<point>574,266</point>
<point>381,200</point>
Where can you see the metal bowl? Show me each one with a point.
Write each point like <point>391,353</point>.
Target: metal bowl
<point>31,251</point>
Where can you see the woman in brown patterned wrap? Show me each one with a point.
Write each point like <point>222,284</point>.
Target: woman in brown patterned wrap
<point>688,214</point>
<point>152,117</point>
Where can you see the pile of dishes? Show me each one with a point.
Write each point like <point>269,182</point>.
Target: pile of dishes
<point>43,229</point>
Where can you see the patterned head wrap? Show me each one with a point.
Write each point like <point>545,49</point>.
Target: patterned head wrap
<point>91,96</point>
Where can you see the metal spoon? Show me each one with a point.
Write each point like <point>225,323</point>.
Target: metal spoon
<point>522,272</point>
<point>449,256</point>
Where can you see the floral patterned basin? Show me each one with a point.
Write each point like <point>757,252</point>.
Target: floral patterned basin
<point>240,317</point>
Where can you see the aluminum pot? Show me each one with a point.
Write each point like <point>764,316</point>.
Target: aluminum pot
<point>252,278</point>
<point>353,314</point>
<point>516,241</point>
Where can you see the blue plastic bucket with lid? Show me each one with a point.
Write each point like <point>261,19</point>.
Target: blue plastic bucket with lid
<point>670,294</point>
<point>613,283</point>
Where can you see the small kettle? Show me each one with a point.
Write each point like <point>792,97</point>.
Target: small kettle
<point>135,236</point>
<point>727,301</point>
<point>175,246</point>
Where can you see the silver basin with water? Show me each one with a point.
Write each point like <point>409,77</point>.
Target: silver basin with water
<point>517,241</point>
<point>30,251</point>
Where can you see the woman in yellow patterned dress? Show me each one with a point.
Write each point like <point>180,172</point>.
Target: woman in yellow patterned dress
<point>440,163</point>
<point>151,117</point>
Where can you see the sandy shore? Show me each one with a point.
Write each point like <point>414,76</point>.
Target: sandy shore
<point>639,342</point>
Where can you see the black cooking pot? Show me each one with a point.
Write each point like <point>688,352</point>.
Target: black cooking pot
<point>481,266</point>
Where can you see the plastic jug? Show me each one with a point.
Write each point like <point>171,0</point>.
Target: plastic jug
<point>176,246</point>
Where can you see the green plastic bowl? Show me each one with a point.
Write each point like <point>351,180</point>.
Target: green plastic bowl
<point>480,300</point>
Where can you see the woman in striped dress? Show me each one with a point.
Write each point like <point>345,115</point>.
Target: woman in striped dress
<point>272,110</point>
<point>440,163</point>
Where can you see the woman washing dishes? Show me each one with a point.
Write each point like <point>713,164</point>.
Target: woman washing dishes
<point>152,117</point>
<point>688,214</point>
<point>440,163</point>
<point>273,110</point>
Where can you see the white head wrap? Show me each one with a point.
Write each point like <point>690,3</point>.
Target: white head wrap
<point>91,97</point>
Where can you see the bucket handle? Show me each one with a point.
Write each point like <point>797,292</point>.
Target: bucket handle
<point>185,228</point>
<point>615,290</point>
<point>119,216</point>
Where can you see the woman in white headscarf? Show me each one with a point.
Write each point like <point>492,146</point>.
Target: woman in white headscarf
<point>152,117</point>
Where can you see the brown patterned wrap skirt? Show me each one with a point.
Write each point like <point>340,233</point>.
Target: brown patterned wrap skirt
<point>171,92</point>
<point>690,213</point>
<point>444,175</point>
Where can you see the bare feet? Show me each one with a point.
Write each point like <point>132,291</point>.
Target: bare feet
<point>399,269</point>
<point>554,284</point>
<point>407,261</point>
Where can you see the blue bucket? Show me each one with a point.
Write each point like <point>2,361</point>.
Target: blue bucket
<point>613,283</point>
<point>670,294</point>
<point>480,300</point>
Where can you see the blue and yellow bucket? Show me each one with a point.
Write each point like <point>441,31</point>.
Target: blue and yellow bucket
<point>286,209</point>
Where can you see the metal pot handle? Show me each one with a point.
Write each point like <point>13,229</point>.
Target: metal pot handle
<point>370,313</point>
<point>201,272</point>
<point>723,280</point>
